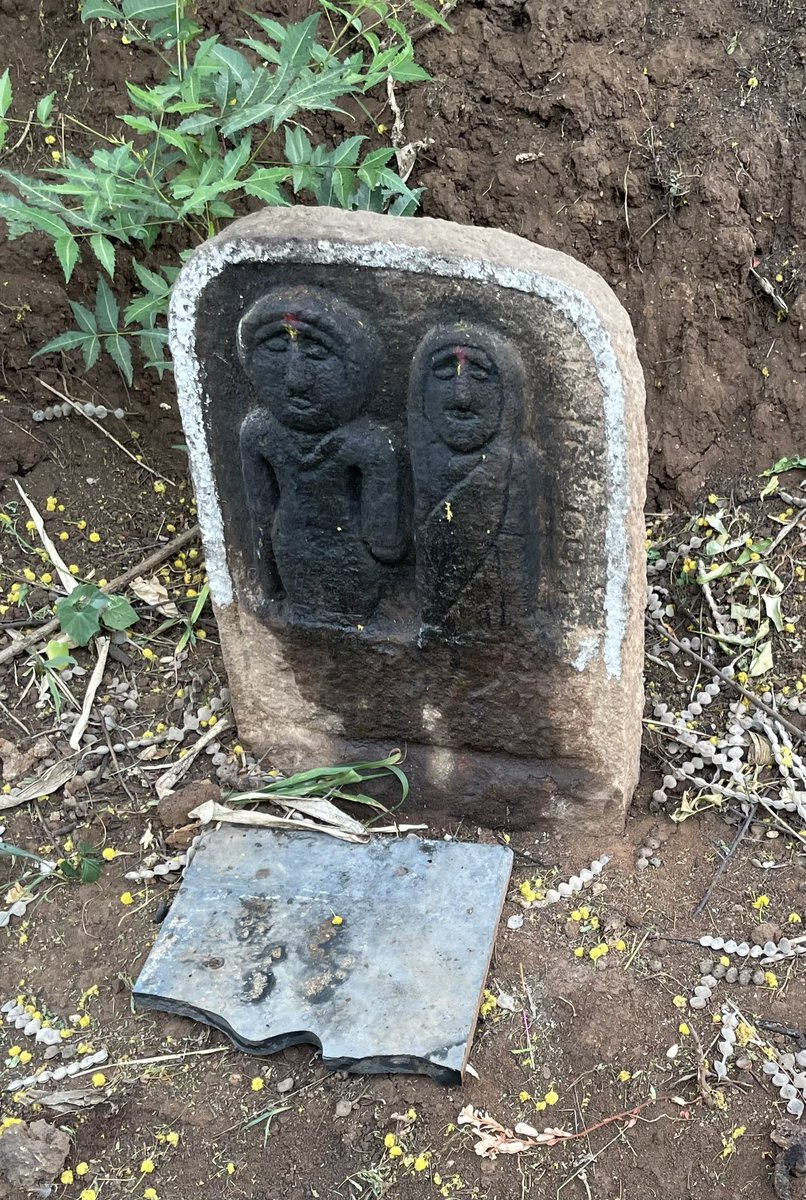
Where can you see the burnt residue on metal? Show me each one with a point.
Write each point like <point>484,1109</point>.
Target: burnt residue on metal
<point>254,920</point>
<point>328,957</point>
<point>257,984</point>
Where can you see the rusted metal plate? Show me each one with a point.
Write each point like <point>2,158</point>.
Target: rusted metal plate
<point>253,945</point>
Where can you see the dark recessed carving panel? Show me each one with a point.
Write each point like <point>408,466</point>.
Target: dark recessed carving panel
<point>403,458</point>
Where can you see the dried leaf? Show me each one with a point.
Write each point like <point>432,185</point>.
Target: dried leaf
<point>68,1101</point>
<point>54,778</point>
<point>154,593</point>
<point>211,811</point>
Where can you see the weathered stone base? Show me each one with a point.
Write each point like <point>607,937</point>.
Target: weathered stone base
<point>575,750</point>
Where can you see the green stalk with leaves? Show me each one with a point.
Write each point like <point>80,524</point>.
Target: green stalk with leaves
<point>223,129</point>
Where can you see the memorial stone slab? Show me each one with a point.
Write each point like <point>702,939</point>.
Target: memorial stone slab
<point>419,456</point>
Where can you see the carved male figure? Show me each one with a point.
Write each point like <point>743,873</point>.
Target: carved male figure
<point>475,480</point>
<point>322,479</point>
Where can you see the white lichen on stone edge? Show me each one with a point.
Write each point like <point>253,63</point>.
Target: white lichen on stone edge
<point>211,260</point>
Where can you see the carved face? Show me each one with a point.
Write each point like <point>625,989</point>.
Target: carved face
<point>463,396</point>
<point>302,376</point>
<point>311,357</point>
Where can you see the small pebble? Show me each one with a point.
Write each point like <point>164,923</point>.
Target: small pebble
<point>343,1108</point>
<point>286,1085</point>
<point>731,975</point>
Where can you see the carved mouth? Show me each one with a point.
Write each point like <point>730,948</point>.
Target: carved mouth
<point>463,414</point>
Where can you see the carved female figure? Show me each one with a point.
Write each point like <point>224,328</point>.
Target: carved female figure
<point>322,478</point>
<point>475,480</point>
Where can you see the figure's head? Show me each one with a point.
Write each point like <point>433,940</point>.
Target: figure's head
<point>312,358</point>
<point>465,375</point>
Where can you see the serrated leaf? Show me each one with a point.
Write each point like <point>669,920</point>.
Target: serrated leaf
<point>44,108</point>
<point>90,352</point>
<point>71,339</point>
<point>16,216</point>
<point>140,124</point>
<point>106,307</point>
<point>104,251</point>
<point>266,52</point>
<point>405,70</point>
<point>234,61</point>
<point>345,154</point>
<point>86,319</point>
<point>144,98</point>
<point>121,353</point>
<point>150,280</point>
<point>200,122</point>
<point>5,92</point>
<point>298,149</point>
<point>264,184</point>
<point>762,660</point>
<point>423,9</point>
<point>144,307</point>
<point>66,248</point>
<point>118,613</point>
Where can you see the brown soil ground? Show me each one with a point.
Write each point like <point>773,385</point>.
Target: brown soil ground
<point>656,164</point>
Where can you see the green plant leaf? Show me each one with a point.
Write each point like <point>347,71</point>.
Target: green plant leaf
<point>106,307</point>
<point>121,353</point>
<point>94,10</point>
<point>71,339</point>
<point>149,10</point>
<point>104,251</point>
<point>66,248</point>
<point>58,656</point>
<point>783,464</point>
<point>91,351</point>
<point>118,613</point>
<point>89,870</point>
<point>44,108</point>
<point>84,318</point>
<point>140,124</point>
<point>405,70</point>
<point>6,92</point>
<point>236,64</point>
<point>79,613</point>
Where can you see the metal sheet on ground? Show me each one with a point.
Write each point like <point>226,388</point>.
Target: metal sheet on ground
<point>254,946</point>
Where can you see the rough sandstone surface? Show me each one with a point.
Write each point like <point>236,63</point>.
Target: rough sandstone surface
<point>419,455</point>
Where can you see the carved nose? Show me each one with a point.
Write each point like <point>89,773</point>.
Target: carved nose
<point>462,391</point>
<point>297,374</point>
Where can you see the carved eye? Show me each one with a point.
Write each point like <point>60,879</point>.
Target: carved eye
<point>313,349</point>
<point>477,370</point>
<point>445,368</point>
<point>276,343</point>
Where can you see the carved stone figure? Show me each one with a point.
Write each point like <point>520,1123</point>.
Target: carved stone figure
<point>475,481</point>
<point>322,480</point>
<point>428,536</point>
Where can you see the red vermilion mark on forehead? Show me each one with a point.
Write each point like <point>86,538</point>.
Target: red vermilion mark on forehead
<point>292,320</point>
<point>461,356</point>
